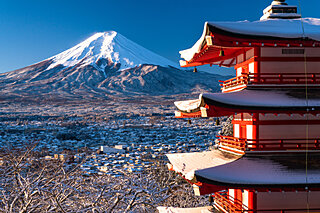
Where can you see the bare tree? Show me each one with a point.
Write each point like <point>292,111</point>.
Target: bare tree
<point>28,183</point>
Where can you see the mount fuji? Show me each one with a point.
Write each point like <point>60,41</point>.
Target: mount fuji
<point>112,46</point>
<point>105,65</point>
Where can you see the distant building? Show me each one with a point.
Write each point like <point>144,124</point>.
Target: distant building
<point>107,149</point>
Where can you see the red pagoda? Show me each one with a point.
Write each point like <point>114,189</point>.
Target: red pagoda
<point>271,163</point>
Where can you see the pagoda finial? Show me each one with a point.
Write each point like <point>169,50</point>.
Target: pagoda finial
<point>279,9</point>
<point>279,2</point>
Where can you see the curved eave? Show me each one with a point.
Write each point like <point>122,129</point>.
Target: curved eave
<point>210,55</point>
<point>265,101</point>
<point>179,114</point>
<point>262,109</point>
<point>264,172</point>
<point>187,163</point>
<point>244,185</point>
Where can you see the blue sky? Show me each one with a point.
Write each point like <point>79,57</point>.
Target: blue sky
<point>34,30</point>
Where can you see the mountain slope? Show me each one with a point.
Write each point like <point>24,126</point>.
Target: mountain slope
<point>105,66</point>
<point>109,45</point>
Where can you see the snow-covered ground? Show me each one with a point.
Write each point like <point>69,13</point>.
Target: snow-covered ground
<point>146,133</point>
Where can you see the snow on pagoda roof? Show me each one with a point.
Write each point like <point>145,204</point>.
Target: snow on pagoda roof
<point>187,163</point>
<point>207,209</point>
<point>270,29</point>
<point>257,100</point>
<point>189,105</point>
<point>294,99</point>
<point>264,171</point>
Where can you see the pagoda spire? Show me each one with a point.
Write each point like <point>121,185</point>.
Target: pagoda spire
<point>279,2</point>
<point>279,9</point>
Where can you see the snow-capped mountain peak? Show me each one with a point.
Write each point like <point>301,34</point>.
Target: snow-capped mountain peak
<point>112,46</point>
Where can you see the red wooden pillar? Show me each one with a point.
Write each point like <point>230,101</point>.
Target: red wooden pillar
<point>257,56</point>
<point>238,194</point>
<point>255,129</point>
<point>252,201</point>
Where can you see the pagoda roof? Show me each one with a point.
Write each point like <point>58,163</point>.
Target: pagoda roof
<point>255,100</point>
<point>188,163</point>
<point>218,168</point>
<point>234,36</point>
<point>284,171</point>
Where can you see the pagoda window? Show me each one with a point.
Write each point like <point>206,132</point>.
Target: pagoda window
<point>251,68</point>
<point>247,117</point>
<point>231,192</point>
<point>284,10</point>
<point>245,198</point>
<point>240,58</point>
<point>239,71</point>
<point>250,54</point>
<point>238,117</point>
<point>249,129</point>
<point>236,130</point>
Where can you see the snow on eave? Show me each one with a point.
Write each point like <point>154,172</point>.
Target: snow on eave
<point>263,99</point>
<point>189,105</point>
<point>188,163</point>
<point>206,209</point>
<point>265,171</point>
<point>188,54</point>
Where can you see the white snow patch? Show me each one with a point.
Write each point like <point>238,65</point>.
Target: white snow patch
<point>189,105</point>
<point>261,98</point>
<point>188,163</point>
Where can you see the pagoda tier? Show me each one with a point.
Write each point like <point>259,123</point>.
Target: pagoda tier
<point>235,38</point>
<point>264,121</point>
<point>254,172</point>
<point>271,53</point>
<point>251,101</point>
<point>252,183</point>
<point>265,172</point>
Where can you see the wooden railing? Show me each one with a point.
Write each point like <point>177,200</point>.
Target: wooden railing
<point>269,144</point>
<point>271,78</point>
<point>233,82</point>
<point>228,203</point>
<point>284,78</point>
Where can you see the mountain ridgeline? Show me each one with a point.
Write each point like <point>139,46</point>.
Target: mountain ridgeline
<point>103,66</point>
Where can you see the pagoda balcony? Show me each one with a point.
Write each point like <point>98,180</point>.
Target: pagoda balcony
<point>270,80</point>
<point>228,204</point>
<point>243,145</point>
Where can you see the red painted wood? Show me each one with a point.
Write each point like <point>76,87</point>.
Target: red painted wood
<point>278,122</point>
<point>252,200</point>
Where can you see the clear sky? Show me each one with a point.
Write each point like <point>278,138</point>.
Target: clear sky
<point>33,30</point>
